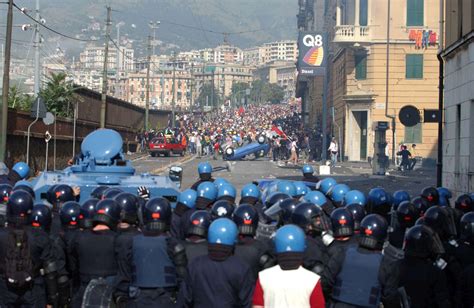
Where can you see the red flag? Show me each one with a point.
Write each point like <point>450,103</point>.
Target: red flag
<point>241,111</point>
<point>278,130</point>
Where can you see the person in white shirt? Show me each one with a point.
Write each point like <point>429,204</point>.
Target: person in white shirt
<point>333,150</point>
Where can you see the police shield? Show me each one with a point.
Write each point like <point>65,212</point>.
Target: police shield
<point>98,294</point>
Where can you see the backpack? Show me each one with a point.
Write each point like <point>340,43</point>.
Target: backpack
<point>18,261</point>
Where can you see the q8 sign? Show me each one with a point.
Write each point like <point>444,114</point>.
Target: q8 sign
<point>312,54</point>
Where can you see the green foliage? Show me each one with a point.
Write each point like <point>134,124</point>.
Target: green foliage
<point>263,92</point>
<point>19,100</point>
<point>239,91</point>
<point>58,95</point>
<point>206,91</point>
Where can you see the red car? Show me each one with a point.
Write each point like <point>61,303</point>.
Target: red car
<point>165,146</point>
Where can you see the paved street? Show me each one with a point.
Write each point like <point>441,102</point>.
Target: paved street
<point>356,175</point>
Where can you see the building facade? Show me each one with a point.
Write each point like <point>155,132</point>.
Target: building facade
<point>458,134</point>
<point>281,51</point>
<point>282,73</point>
<point>358,95</point>
<point>92,57</point>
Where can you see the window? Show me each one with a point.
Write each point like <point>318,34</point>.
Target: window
<point>360,66</point>
<point>415,13</point>
<point>363,9</point>
<point>414,66</point>
<point>413,134</point>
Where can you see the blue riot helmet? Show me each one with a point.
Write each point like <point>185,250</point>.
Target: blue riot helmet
<point>19,207</point>
<point>358,213</point>
<point>98,192</point>
<point>301,189</point>
<point>338,192</point>
<point>307,170</point>
<point>326,185</point>
<point>315,197</point>
<point>464,203</point>
<point>378,202</point>
<point>250,194</point>
<point>342,223</point>
<point>355,197</point>
<point>222,231</point>
<point>25,186</point>
<point>227,192</point>
<point>5,192</point>
<point>398,197</point>
<point>421,205</point>
<point>205,170</point>
<point>111,192</point>
<point>199,223</point>
<point>188,198</point>
<point>373,232</point>
<point>107,212</point>
<point>41,216</point>
<point>156,215</point>
<point>289,238</point>
<point>206,195</point>
<point>246,218</point>
<point>274,198</point>
<point>128,207</point>
<point>87,213</point>
<point>21,169</point>
<point>421,241</point>
<point>222,208</point>
<point>69,214</point>
<point>287,206</point>
<point>286,187</point>
<point>218,182</point>
<point>444,196</point>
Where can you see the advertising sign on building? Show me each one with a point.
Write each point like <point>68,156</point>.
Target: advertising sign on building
<point>312,54</point>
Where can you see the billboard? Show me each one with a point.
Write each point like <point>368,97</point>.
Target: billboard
<point>313,52</point>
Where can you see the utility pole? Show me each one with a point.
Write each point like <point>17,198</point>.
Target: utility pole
<point>154,25</point>
<point>212,89</point>
<point>37,52</point>
<point>147,94</point>
<point>118,93</point>
<point>173,102</point>
<point>192,85</point>
<point>103,107</point>
<point>6,81</point>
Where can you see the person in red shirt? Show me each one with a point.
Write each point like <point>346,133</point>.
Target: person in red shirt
<point>288,284</point>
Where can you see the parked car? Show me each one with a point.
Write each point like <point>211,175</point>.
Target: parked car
<point>253,150</point>
<point>165,146</point>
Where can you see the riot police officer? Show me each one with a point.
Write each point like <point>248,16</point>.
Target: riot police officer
<point>218,270</point>
<point>222,209</point>
<point>186,201</point>
<point>301,189</point>
<point>308,174</point>
<point>152,263</point>
<point>250,194</point>
<point>465,255</point>
<point>205,174</point>
<point>29,271</point>
<point>403,218</point>
<point>98,192</point>
<point>288,284</point>
<point>226,192</point>
<point>195,242</point>
<point>312,220</point>
<point>337,194</point>
<point>256,253</point>
<point>431,195</point>
<point>398,197</point>
<point>378,202</point>
<point>87,213</point>
<point>57,196</point>
<point>318,198</point>
<point>354,197</point>
<point>420,275</point>
<point>326,185</point>
<point>266,224</point>
<point>128,225</point>
<point>5,191</point>
<point>362,277</point>
<point>286,187</point>
<point>342,224</point>
<point>19,172</point>
<point>445,196</point>
<point>358,213</point>
<point>93,252</point>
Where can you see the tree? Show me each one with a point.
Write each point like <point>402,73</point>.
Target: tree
<point>205,96</point>
<point>265,92</point>
<point>275,94</point>
<point>239,91</point>
<point>19,100</point>
<point>58,95</point>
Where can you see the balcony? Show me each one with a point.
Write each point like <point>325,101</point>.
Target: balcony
<point>352,34</point>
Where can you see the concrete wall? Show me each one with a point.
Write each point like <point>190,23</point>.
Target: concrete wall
<point>458,137</point>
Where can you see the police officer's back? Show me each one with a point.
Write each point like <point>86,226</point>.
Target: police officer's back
<point>28,268</point>
<point>195,242</point>
<point>342,224</point>
<point>205,174</point>
<point>308,174</point>
<point>465,255</point>
<point>93,252</point>
<point>420,275</point>
<point>152,263</point>
<point>362,276</point>
<point>256,253</point>
<point>19,172</point>
<point>218,279</point>
<point>186,201</point>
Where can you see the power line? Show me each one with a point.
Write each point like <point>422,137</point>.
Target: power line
<point>50,29</point>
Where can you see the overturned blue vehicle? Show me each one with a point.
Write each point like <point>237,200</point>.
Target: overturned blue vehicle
<point>102,163</point>
<point>253,150</point>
